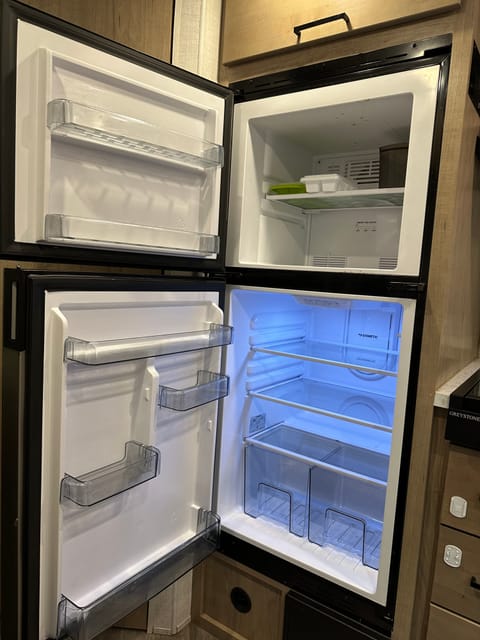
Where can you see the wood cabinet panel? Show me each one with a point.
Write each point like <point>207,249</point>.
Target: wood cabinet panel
<point>452,586</point>
<point>234,603</point>
<point>444,624</point>
<point>144,25</point>
<point>257,27</point>
<point>463,480</point>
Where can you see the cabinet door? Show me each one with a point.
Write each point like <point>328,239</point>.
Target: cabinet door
<point>461,500</point>
<point>256,27</point>
<point>142,25</point>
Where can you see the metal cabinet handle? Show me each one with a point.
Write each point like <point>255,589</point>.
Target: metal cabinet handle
<point>308,25</point>
<point>474,583</point>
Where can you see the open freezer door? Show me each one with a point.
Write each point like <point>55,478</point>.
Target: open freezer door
<point>123,379</point>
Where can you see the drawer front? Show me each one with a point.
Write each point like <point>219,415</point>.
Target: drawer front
<point>462,491</point>
<point>234,603</point>
<point>443,624</point>
<point>458,588</point>
<point>257,27</point>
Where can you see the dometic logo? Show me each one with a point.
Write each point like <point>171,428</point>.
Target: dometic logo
<point>465,416</point>
<point>368,335</point>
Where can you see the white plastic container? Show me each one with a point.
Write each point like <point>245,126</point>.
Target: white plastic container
<point>327,182</point>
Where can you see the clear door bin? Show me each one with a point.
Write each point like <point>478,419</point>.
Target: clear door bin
<point>347,502</point>
<point>108,351</point>
<point>277,465</point>
<point>210,387</point>
<point>77,622</point>
<point>138,465</point>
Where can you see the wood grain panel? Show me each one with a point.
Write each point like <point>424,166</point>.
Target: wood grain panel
<point>463,479</point>
<point>451,585</point>
<point>144,25</point>
<point>257,27</point>
<point>443,625</point>
<point>213,610</point>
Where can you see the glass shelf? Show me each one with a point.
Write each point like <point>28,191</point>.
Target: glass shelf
<point>84,623</point>
<point>361,198</point>
<point>116,131</point>
<point>139,464</point>
<point>61,228</point>
<point>368,409</point>
<point>339,355</point>
<point>210,387</point>
<point>108,351</point>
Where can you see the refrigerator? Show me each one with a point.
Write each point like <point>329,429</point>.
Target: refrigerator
<point>253,394</point>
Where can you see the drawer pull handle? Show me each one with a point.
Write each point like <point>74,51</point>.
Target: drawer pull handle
<point>474,583</point>
<point>308,25</point>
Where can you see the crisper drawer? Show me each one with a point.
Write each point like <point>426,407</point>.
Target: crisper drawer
<point>456,584</point>
<point>444,624</point>
<point>319,488</point>
<point>461,504</point>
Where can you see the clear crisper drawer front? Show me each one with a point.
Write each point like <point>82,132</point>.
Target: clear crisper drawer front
<point>277,465</point>
<point>346,511</point>
<point>77,622</point>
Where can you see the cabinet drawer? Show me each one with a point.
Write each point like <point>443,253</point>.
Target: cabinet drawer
<point>463,481</point>
<point>444,624</point>
<point>458,588</point>
<point>256,27</point>
<point>233,603</point>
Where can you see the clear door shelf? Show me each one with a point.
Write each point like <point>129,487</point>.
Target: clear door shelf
<point>61,228</point>
<point>108,351</point>
<point>77,622</point>
<point>374,361</point>
<point>139,464</point>
<point>130,135</point>
<point>361,198</point>
<point>371,410</point>
<point>210,387</point>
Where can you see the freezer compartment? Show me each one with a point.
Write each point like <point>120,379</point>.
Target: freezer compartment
<point>347,503</point>
<point>118,156</point>
<point>138,465</point>
<point>335,130</point>
<point>84,622</point>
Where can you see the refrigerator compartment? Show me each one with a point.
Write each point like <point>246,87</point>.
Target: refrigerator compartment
<point>339,355</point>
<point>109,351</point>
<point>277,466</point>
<point>364,408</point>
<point>139,464</point>
<point>327,182</point>
<point>356,199</point>
<point>347,504</point>
<point>61,228</point>
<point>130,135</point>
<point>210,387</point>
<point>84,622</point>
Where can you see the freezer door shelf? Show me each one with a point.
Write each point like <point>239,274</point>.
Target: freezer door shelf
<point>77,622</point>
<point>109,351</point>
<point>61,228</point>
<point>130,135</point>
<point>330,492</point>
<point>139,464</point>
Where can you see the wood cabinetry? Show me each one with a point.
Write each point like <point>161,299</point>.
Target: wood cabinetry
<point>258,27</point>
<point>144,25</point>
<point>235,603</point>
<point>456,585</point>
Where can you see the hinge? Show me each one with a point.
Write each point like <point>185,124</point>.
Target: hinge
<point>406,288</point>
